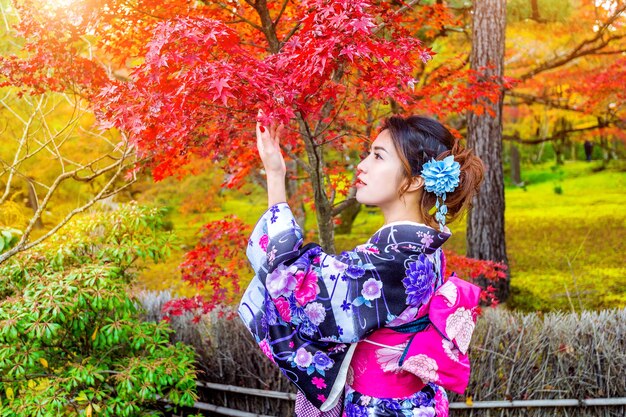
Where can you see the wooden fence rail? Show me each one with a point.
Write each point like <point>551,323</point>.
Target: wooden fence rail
<point>587,402</point>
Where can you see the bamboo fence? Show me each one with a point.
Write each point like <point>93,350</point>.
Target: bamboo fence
<point>523,364</point>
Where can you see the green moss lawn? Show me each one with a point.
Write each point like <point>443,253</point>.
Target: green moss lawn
<point>565,233</point>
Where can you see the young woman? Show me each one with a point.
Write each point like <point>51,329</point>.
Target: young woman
<point>379,330</point>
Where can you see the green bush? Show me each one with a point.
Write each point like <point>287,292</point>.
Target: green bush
<point>72,341</point>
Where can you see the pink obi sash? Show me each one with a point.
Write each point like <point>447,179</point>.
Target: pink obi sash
<point>375,366</point>
<point>392,364</point>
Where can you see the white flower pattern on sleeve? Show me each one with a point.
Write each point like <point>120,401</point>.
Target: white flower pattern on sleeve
<point>389,357</point>
<point>450,349</point>
<point>449,292</point>
<point>422,366</point>
<point>459,327</point>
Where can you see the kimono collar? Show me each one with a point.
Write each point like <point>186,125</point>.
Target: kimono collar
<point>411,236</point>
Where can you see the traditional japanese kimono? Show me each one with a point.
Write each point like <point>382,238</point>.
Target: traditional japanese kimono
<point>376,326</point>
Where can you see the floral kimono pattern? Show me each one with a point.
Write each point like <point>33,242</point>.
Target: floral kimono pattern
<point>307,309</point>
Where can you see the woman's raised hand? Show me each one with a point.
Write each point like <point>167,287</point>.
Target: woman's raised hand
<point>268,145</point>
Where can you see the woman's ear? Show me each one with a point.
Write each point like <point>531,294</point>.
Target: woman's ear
<point>416,183</point>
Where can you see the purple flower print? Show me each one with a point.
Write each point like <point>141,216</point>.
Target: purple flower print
<point>371,289</point>
<point>424,412</point>
<point>353,410</point>
<point>421,399</point>
<point>274,210</point>
<point>322,361</point>
<point>315,312</point>
<point>303,358</point>
<point>338,265</point>
<point>355,271</point>
<point>419,281</point>
<point>280,281</point>
<point>427,240</point>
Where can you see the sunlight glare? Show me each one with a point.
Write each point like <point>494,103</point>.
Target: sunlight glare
<point>60,4</point>
<point>608,5</point>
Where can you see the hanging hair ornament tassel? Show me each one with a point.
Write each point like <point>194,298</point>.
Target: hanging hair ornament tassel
<point>441,177</point>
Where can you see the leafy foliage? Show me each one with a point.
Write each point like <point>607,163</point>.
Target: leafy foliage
<point>215,264</point>
<point>8,238</point>
<point>71,337</point>
<point>488,273</point>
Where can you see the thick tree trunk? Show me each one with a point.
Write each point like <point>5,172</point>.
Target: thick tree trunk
<point>485,229</point>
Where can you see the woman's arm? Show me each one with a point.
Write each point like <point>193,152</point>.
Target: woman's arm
<point>268,145</point>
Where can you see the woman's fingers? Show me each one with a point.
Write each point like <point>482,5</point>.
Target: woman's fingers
<point>268,145</point>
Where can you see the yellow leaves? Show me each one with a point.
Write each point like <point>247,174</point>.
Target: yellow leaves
<point>469,402</point>
<point>95,333</point>
<point>43,362</point>
<point>38,384</point>
<point>13,214</point>
<point>88,411</point>
<point>10,394</point>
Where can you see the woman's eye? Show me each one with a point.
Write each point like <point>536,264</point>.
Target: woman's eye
<point>377,155</point>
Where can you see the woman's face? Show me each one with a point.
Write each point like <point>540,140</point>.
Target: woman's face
<point>380,174</point>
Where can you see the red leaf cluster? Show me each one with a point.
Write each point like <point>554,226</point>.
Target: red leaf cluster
<point>213,267</point>
<point>471,269</point>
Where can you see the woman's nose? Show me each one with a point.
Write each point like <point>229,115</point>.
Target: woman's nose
<point>361,166</point>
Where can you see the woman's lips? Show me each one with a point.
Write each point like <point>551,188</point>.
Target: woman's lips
<point>359,183</point>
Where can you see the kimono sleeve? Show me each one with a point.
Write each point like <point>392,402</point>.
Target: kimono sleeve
<point>332,298</point>
<point>307,308</point>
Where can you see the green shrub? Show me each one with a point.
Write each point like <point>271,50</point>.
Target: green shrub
<point>72,341</point>
<point>8,238</point>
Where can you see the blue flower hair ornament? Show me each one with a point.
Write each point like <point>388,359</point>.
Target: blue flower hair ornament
<point>441,177</point>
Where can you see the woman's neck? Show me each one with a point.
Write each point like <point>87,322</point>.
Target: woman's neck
<point>401,212</point>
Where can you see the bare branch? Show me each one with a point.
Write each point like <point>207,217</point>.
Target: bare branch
<point>299,161</point>
<point>561,134</point>
<point>341,206</point>
<point>590,46</point>
<point>290,33</point>
<point>238,16</point>
<point>282,10</point>
<point>547,101</point>
<point>407,5</point>
<point>21,145</point>
<point>105,191</point>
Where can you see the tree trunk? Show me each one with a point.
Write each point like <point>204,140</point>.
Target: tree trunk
<point>348,215</point>
<point>516,170</point>
<point>485,229</point>
<point>323,205</point>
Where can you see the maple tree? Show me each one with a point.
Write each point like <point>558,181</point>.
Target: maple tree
<point>205,69</point>
<point>185,80</point>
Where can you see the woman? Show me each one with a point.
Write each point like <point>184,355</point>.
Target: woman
<point>376,331</point>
